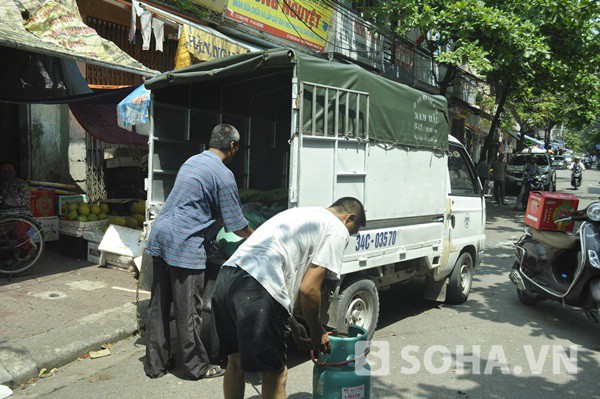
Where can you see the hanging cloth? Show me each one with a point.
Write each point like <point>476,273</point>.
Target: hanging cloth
<point>158,28</point>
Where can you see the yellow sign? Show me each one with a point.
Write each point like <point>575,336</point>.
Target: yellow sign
<point>196,45</point>
<point>304,22</point>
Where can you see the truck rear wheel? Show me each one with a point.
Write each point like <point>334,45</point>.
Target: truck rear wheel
<point>461,280</point>
<point>358,304</point>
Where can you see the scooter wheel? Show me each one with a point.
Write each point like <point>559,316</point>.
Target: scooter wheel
<point>526,298</point>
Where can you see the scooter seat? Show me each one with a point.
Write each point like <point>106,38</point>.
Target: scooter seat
<point>556,239</point>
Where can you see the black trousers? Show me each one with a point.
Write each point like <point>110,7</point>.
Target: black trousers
<point>499,186</point>
<point>184,288</point>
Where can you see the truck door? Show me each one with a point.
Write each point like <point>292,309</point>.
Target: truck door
<point>467,204</point>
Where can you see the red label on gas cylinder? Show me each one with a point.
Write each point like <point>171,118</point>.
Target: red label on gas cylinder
<point>353,392</point>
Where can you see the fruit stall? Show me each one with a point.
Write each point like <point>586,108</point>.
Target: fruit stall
<point>78,225</point>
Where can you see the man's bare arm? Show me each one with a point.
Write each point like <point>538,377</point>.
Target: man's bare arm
<point>310,302</point>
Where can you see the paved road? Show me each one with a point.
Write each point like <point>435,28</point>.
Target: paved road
<point>492,325</point>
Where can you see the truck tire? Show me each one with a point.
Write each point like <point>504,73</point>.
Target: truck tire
<point>358,304</point>
<point>461,280</point>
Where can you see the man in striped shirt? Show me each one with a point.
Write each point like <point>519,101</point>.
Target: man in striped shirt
<point>204,192</point>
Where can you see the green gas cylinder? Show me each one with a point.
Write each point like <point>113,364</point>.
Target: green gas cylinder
<point>335,375</point>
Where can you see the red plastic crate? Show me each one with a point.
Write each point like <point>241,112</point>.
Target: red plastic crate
<point>544,207</point>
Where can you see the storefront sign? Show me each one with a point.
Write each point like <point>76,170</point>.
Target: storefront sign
<point>351,36</point>
<point>304,22</point>
<point>197,45</point>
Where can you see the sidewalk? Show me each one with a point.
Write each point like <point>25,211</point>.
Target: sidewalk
<point>60,310</point>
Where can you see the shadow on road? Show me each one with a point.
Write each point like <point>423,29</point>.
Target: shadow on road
<point>51,263</point>
<point>500,386</point>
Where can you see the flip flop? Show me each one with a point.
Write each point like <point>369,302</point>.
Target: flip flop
<point>214,371</point>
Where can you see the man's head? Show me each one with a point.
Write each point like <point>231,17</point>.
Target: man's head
<point>501,157</point>
<point>351,212</point>
<point>7,171</point>
<point>532,160</point>
<point>576,159</point>
<point>226,139</point>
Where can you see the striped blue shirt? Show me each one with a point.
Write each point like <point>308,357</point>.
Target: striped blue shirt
<point>204,190</point>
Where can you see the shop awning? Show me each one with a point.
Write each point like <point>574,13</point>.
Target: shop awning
<point>98,117</point>
<point>476,130</point>
<point>472,109</point>
<point>57,30</point>
<point>100,121</point>
<point>517,137</point>
<point>28,77</point>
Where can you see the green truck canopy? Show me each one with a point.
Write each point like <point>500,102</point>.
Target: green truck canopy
<point>398,114</point>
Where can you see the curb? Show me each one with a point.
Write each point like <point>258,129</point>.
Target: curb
<point>22,360</point>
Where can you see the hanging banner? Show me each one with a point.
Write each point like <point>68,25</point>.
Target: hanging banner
<point>57,28</point>
<point>305,22</point>
<point>196,45</point>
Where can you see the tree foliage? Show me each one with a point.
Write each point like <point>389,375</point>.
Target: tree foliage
<point>541,57</point>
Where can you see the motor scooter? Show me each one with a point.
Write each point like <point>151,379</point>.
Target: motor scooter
<point>576,176</point>
<point>536,183</point>
<point>561,266</point>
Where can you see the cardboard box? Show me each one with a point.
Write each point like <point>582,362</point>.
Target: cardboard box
<point>544,207</point>
<point>42,203</point>
<point>121,245</point>
<point>75,228</point>
<point>65,199</point>
<point>50,227</point>
<point>93,253</point>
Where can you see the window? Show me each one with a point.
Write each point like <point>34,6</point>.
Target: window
<point>521,159</point>
<point>462,178</point>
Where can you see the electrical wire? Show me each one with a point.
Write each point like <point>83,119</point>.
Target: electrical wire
<point>305,43</point>
<point>378,52</point>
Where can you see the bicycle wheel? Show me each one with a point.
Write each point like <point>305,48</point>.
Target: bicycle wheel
<point>21,243</point>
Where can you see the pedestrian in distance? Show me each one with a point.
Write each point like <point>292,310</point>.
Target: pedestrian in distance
<point>499,168</point>
<point>205,193</point>
<point>483,171</point>
<point>285,260</point>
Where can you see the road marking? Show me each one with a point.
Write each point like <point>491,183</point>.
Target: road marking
<point>87,285</point>
<point>130,290</point>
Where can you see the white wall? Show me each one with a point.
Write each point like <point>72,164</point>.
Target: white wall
<point>57,145</point>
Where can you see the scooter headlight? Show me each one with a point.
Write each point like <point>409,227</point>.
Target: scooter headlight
<point>593,212</point>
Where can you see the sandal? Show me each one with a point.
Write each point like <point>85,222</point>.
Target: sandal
<point>214,371</point>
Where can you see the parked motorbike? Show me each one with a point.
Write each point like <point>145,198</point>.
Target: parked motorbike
<point>576,177</point>
<point>561,266</point>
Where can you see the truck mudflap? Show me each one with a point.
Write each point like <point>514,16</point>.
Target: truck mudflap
<point>479,258</point>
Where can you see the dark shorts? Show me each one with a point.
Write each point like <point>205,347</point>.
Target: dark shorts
<point>247,320</point>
